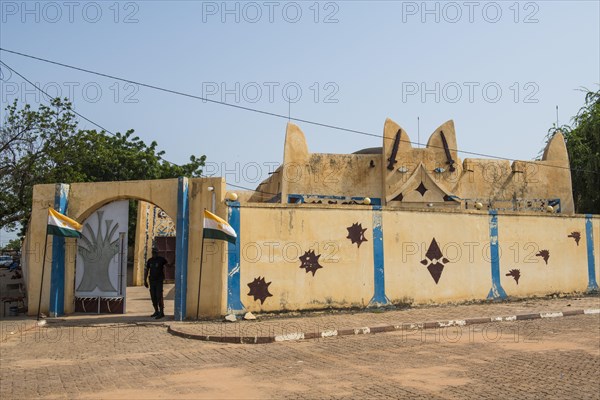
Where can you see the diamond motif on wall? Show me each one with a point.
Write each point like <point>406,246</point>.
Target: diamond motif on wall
<point>435,260</point>
<point>421,189</point>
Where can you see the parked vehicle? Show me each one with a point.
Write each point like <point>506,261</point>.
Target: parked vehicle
<point>5,261</point>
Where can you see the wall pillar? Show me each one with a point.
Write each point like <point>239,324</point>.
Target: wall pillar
<point>496,292</point>
<point>589,236</point>
<point>234,303</point>
<point>181,248</point>
<point>379,297</point>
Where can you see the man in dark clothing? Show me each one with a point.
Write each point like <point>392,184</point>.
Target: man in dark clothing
<point>155,270</point>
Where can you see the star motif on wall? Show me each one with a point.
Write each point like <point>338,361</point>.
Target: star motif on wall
<point>356,234</point>
<point>259,289</point>
<point>545,254</point>
<point>435,261</point>
<point>515,273</point>
<point>310,262</point>
<point>421,189</point>
<point>576,236</point>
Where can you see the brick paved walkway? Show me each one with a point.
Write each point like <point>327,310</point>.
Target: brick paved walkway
<point>539,359</point>
<point>314,324</point>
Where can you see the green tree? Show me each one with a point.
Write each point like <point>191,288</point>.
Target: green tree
<point>45,146</point>
<point>583,145</point>
<point>13,245</point>
<point>27,139</point>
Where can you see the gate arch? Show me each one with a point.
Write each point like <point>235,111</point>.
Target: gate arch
<point>80,200</point>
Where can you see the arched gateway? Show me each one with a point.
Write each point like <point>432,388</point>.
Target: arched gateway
<point>81,200</point>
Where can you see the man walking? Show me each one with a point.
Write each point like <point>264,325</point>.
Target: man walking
<point>155,270</point>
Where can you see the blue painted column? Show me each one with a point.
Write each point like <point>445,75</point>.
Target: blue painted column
<point>496,292</point>
<point>181,248</point>
<point>589,238</point>
<point>57,273</point>
<point>379,297</point>
<point>234,303</point>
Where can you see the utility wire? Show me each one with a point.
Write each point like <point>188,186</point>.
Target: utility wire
<point>50,97</point>
<point>255,110</point>
<point>109,132</point>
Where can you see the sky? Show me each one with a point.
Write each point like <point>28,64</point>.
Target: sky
<point>498,69</point>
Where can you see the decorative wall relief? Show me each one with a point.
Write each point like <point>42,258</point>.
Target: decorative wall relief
<point>112,305</point>
<point>356,234</point>
<point>515,273</point>
<point>259,289</point>
<point>576,236</point>
<point>392,160</point>
<point>310,262</point>
<point>545,254</point>
<point>163,224</point>
<point>87,304</point>
<point>101,263</point>
<point>435,261</point>
<point>421,189</point>
<point>97,250</point>
<point>449,159</point>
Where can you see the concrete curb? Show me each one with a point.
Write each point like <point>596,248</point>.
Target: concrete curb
<point>295,336</point>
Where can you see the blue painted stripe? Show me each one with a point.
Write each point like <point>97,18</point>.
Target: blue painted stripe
<point>589,235</point>
<point>496,292</point>
<point>57,273</point>
<point>379,297</point>
<point>234,303</point>
<point>181,248</point>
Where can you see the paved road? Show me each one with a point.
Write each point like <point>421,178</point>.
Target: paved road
<point>540,359</point>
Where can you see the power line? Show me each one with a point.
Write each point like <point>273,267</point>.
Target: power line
<point>272,114</point>
<point>50,97</point>
<point>106,130</point>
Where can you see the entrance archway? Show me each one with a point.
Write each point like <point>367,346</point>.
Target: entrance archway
<point>110,259</point>
<point>79,201</point>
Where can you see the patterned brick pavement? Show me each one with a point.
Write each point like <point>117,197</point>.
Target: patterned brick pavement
<point>538,359</point>
<point>311,325</point>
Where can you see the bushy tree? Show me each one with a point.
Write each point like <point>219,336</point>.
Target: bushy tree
<point>13,245</point>
<point>583,145</point>
<point>45,146</point>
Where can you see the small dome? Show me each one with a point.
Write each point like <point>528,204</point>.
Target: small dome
<point>369,150</point>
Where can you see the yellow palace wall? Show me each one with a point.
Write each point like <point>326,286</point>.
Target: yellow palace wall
<point>391,266</point>
<point>272,237</point>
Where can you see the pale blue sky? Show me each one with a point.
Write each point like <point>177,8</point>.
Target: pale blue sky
<point>371,58</point>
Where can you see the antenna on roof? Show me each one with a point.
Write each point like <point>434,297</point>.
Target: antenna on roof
<point>556,116</point>
<point>418,133</point>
